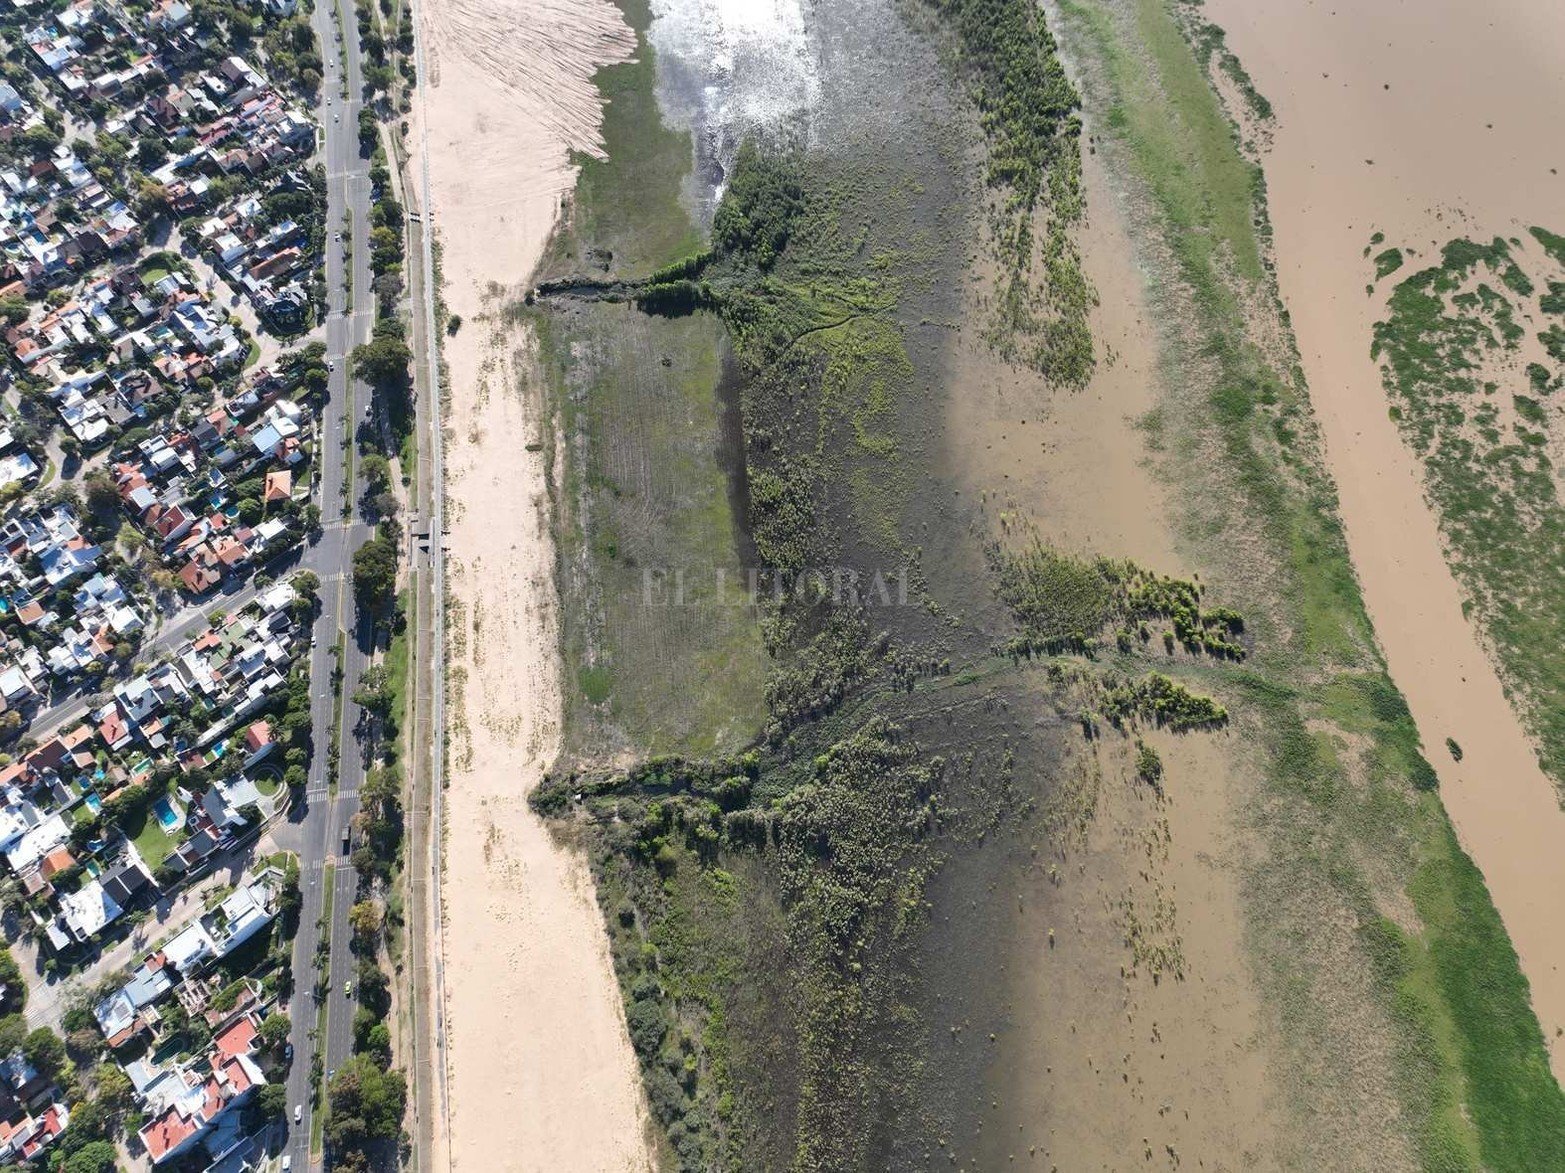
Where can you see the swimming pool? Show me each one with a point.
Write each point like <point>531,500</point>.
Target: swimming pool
<point>94,803</point>
<point>167,818</point>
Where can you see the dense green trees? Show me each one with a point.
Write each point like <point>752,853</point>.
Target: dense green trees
<point>366,1105</point>
<point>11,978</point>
<point>383,361</point>
<point>274,1031</point>
<point>375,574</point>
<point>272,1101</point>
<point>94,1157</point>
<point>754,220</point>
<point>45,1050</point>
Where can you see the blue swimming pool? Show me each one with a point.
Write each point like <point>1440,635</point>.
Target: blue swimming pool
<point>165,812</point>
<point>94,803</point>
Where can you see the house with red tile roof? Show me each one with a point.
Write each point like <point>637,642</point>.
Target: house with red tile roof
<point>26,1136</point>
<point>279,485</point>
<point>258,736</point>
<point>238,1039</point>
<point>195,1108</point>
<point>114,729</point>
<point>56,862</point>
<point>199,577</point>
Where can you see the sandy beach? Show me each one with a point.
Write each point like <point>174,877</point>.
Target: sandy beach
<point>1422,119</point>
<point>541,1073</point>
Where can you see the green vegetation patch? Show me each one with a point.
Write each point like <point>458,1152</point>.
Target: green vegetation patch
<point>1064,603</point>
<point>1027,107</point>
<point>664,644</point>
<point>1387,263</point>
<point>1450,338</point>
<point>626,212</point>
<point>1346,809</point>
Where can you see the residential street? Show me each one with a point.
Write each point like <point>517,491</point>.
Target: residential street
<point>315,827</point>
<point>47,1001</point>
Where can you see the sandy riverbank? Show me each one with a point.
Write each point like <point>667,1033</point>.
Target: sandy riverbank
<point>1096,1063</point>
<point>541,1071</point>
<point>1422,120</point>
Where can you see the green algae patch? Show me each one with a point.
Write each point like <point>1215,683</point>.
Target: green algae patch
<point>1450,338</point>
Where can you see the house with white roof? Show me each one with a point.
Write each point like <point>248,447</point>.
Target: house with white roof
<point>88,911</point>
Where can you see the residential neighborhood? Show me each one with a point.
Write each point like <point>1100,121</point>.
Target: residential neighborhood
<point>166,382</point>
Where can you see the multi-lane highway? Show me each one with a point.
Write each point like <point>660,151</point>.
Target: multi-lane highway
<point>317,824</point>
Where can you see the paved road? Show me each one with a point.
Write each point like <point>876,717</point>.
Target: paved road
<point>426,781</point>
<point>316,827</point>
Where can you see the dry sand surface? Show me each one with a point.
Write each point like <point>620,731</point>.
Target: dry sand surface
<point>1423,119</point>
<point>541,1071</point>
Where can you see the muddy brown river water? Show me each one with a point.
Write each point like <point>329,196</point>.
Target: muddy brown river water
<point>1422,119</point>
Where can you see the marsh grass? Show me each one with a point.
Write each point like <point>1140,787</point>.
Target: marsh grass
<point>1027,107</point>
<point>639,401</point>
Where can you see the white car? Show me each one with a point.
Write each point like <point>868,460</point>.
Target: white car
<point>287,1163</point>
<point>298,1113</point>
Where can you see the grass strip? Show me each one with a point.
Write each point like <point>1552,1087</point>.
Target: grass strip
<point>318,1114</point>
<point>1475,1089</point>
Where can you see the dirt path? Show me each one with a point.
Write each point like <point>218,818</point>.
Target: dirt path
<point>1422,119</point>
<point>541,1071</point>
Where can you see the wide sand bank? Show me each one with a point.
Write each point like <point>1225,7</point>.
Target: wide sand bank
<point>541,1072</point>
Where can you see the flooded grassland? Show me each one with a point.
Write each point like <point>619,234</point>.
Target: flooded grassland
<point>1403,1024</point>
<point>1099,836</point>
